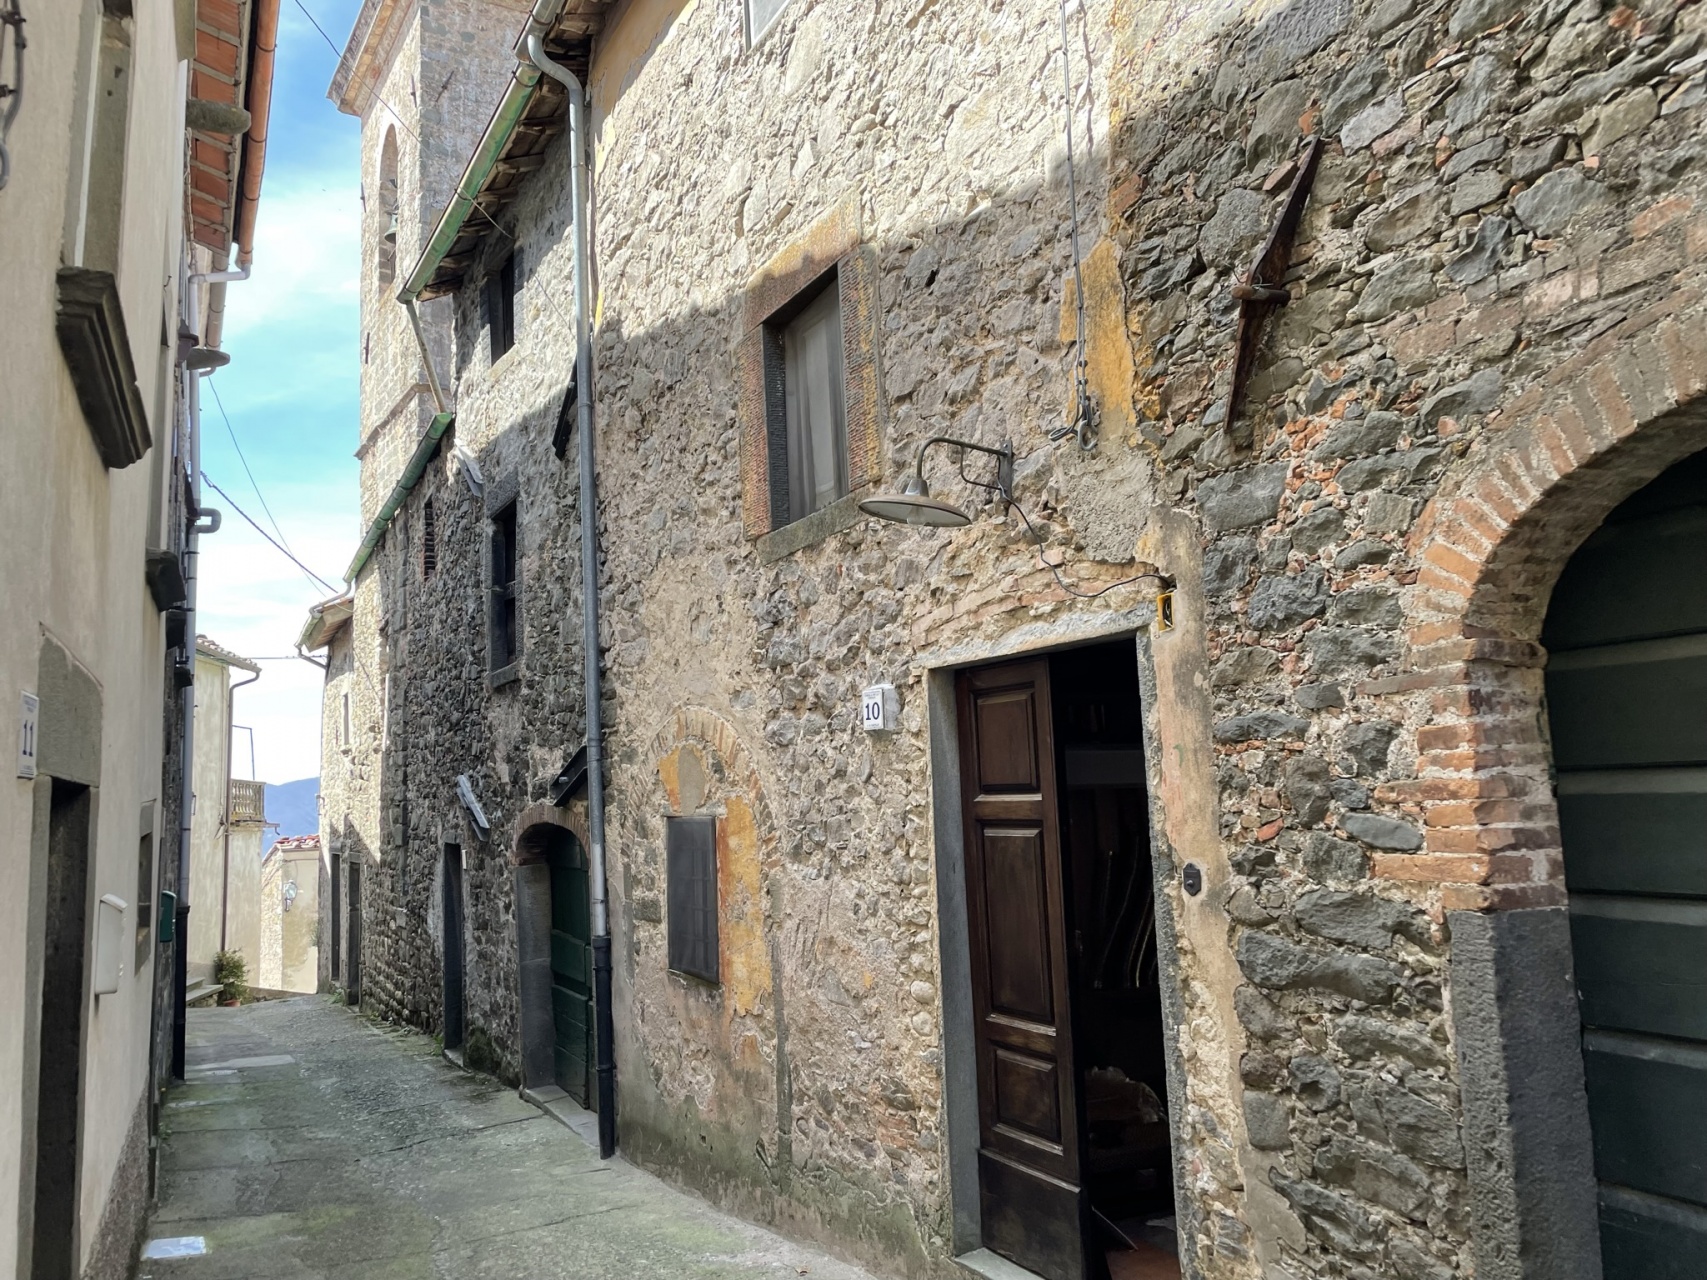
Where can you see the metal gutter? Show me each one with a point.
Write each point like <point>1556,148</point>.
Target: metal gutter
<point>524,82</point>
<point>413,470</point>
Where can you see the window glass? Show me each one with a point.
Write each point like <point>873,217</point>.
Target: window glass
<point>760,14</point>
<point>813,406</point>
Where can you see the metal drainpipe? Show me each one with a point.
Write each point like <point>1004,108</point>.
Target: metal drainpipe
<point>604,1035</point>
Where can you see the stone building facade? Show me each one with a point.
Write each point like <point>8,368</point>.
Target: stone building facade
<point>1368,1055</point>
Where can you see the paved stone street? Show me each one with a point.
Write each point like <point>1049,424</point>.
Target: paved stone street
<point>308,1142</point>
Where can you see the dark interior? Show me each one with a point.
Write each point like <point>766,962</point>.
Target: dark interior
<point>1111,930</point>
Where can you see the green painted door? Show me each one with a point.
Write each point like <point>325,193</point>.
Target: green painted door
<point>571,968</point>
<point>1627,705</point>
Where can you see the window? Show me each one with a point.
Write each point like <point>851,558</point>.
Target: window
<point>760,15</point>
<point>504,640</point>
<point>690,846</point>
<point>386,266</point>
<point>344,724</point>
<point>814,415</point>
<point>501,308</point>
<point>429,539</point>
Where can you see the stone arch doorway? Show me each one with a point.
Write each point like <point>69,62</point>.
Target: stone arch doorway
<point>554,943</point>
<point>1626,688</point>
<point>1492,546</point>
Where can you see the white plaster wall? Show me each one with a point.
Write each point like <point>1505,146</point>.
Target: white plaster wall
<point>75,536</point>
<point>207,821</point>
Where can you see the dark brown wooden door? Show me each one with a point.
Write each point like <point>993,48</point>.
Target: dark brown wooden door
<point>1028,1157</point>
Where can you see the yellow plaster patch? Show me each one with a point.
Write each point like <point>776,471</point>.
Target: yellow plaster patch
<point>1108,350</point>
<point>741,934</point>
<point>670,774</point>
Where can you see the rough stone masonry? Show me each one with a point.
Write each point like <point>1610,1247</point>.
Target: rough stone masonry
<point>1494,334</point>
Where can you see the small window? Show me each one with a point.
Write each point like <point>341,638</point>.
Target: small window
<point>386,266</point>
<point>501,308</point>
<point>760,15</point>
<point>344,725</point>
<point>814,413</point>
<point>429,539</point>
<point>505,638</point>
<point>691,854</point>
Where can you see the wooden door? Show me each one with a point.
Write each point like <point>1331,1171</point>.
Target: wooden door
<point>1028,1157</point>
<point>455,1003</point>
<point>1627,704</point>
<point>353,976</point>
<point>571,968</point>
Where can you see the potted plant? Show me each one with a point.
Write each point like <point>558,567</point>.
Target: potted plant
<point>229,970</point>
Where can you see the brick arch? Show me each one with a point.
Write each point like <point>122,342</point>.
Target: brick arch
<point>528,847</point>
<point>1489,550</point>
<point>694,725</point>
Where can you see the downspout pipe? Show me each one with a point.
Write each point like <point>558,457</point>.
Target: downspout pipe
<point>604,1032</point>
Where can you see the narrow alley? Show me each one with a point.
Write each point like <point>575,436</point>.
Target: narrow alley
<point>307,1141</point>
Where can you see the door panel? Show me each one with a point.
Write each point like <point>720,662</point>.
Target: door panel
<point>1642,964</point>
<point>1650,1237</point>
<point>1627,706</point>
<point>1016,925</point>
<point>571,968</point>
<point>1646,1102</point>
<point>1636,831</point>
<point>1029,1177</point>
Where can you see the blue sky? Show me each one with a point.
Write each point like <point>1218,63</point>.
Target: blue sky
<point>291,394</point>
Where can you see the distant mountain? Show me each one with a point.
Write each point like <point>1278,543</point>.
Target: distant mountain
<point>295,806</point>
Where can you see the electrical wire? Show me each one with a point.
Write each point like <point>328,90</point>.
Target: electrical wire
<point>1041,542</point>
<point>269,537</point>
<point>1083,422</point>
<point>245,461</point>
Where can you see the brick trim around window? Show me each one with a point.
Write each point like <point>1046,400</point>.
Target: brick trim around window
<point>831,245</point>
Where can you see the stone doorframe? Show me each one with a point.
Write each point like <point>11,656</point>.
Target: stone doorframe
<point>533,934</point>
<point>1490,546</point>
<point>960,1067</point>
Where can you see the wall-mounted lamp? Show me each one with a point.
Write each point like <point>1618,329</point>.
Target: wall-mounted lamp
<point>914,504</point>
<point>206,359</point>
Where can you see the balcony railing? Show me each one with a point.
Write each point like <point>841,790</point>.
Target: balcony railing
<point>248,801</point>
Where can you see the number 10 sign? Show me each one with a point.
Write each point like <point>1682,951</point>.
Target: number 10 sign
<point>879,709</point>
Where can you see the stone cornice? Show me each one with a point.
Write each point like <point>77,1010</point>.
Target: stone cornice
<point>366,54</point>
<point>96,344</point>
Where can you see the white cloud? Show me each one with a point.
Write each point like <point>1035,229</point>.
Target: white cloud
<point>307,254</point>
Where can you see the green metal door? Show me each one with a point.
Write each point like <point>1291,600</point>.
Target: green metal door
<point>1627,705</point>
<point>571,968</point>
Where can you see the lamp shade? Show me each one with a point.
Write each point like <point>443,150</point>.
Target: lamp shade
<point>914,505</point>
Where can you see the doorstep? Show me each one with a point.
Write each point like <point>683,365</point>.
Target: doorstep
<point>557,1104</point>
<point>992,1266</point>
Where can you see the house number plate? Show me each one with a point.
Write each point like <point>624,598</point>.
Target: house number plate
<point>879,708</point>
<point>29,709</point>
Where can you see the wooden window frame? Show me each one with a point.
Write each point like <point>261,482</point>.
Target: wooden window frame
<point>501,308</point>
<point>832,249</point>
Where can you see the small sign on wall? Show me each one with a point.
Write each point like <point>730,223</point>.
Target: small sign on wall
<point>29,710</point>
<point>880,709</point>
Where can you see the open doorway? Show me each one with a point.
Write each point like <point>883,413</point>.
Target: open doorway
<point>1075,1167</point>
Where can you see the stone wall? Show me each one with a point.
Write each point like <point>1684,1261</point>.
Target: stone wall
<point>1507,197</point>
<point>1494,289</point>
